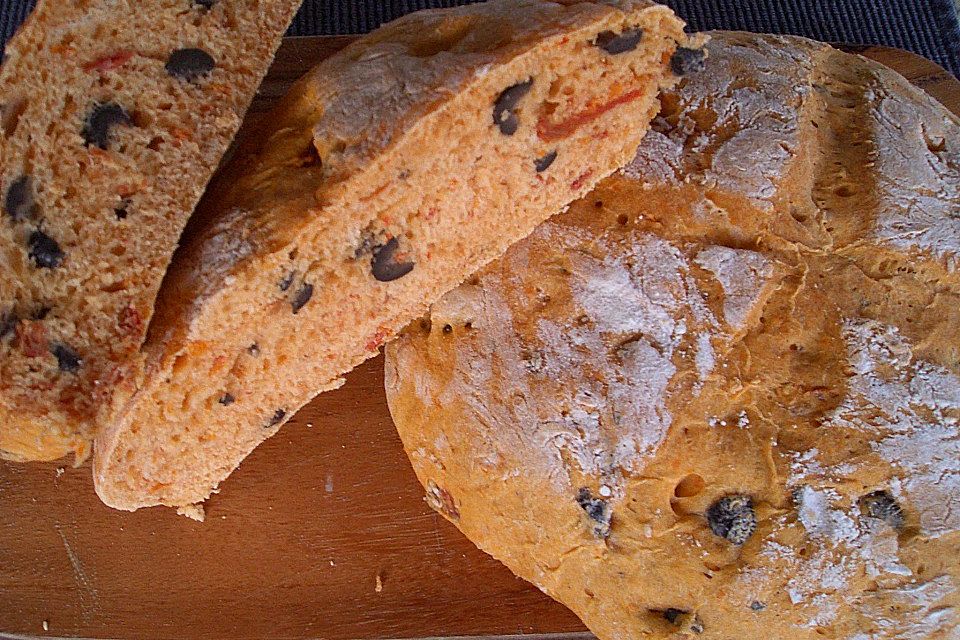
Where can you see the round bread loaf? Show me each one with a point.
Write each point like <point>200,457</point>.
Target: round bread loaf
<point>719,397</point>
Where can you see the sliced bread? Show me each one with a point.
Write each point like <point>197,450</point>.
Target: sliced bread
<point>114,117</point>
<point>390,173</point>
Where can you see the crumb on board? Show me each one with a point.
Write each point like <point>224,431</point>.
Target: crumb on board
<point>192,511</point>
<point>379,586</point>
<point>46,625</point>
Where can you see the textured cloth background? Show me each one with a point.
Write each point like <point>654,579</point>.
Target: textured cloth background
<point>927,27</point>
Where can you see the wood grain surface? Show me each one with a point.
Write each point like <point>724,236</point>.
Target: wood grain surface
<point>321,533</point>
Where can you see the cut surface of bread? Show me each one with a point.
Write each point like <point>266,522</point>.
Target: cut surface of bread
<point>389,173</point>
<point>114,117</point>
<point>720,396</point>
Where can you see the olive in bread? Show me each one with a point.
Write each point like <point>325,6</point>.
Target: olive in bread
<point>720,397</point>
<point>113,117</point>
<point>388,174</point>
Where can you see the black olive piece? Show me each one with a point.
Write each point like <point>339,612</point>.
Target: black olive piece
<point>67,358</point>
<point>597,510</point>
<point>189,64</point>
<point>100,123</point>
<point>302,298</point>
<point>732,517</point>
<point>123,210</point>
<point>45,251</point>
<point>614,43</point>
<point>672,614</point>
<point>206,4</point>
<point>679,617</point>
<point>685,61</point>
<point>227,399</point>
<point>387,265</point>
<point>504,105</point>
<point>278,415</point>
<point>756,605</point>
<point>542,164</point>
<point>254,349</point>
<point>19,202</point>
<point>883,506</point>
<point>8,324</point>
<point>286,281</point>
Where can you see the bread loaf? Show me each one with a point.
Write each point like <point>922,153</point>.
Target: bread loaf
<point>389,173</point>
<point>719,398</point>
<point>114,117</point>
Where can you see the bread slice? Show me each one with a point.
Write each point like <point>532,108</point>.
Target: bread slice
<point>388,174</point>
<point>731,409</point>
<point>114,117</point>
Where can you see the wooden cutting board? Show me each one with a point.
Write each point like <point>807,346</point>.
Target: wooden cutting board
<point>321,533</point>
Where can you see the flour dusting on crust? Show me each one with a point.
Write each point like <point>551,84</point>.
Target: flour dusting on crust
<point>742,274</point>
<point>918,613</point>
<point>918,172</point>
<point>914,408</point>
<point>761,127</point>
<point>634,315</point>
<point>909,409</point>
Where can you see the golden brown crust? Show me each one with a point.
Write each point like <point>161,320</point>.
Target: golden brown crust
<point>388,174</point>
<point>114,116</point>
<point>720,396</point>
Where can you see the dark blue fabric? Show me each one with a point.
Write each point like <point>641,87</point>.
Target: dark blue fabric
<point>927,27</point>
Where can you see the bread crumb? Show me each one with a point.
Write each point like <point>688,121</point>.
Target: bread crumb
<point>46,625</point>
<point>60,471</point>
<point>379,586</point>
<point>328,487</point>
<point>192,511</point>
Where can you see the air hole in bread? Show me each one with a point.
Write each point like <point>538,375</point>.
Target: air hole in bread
<point>114,287</point>
<point>689,486</point>
<point>11,115</point>
<point>180,363</point>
